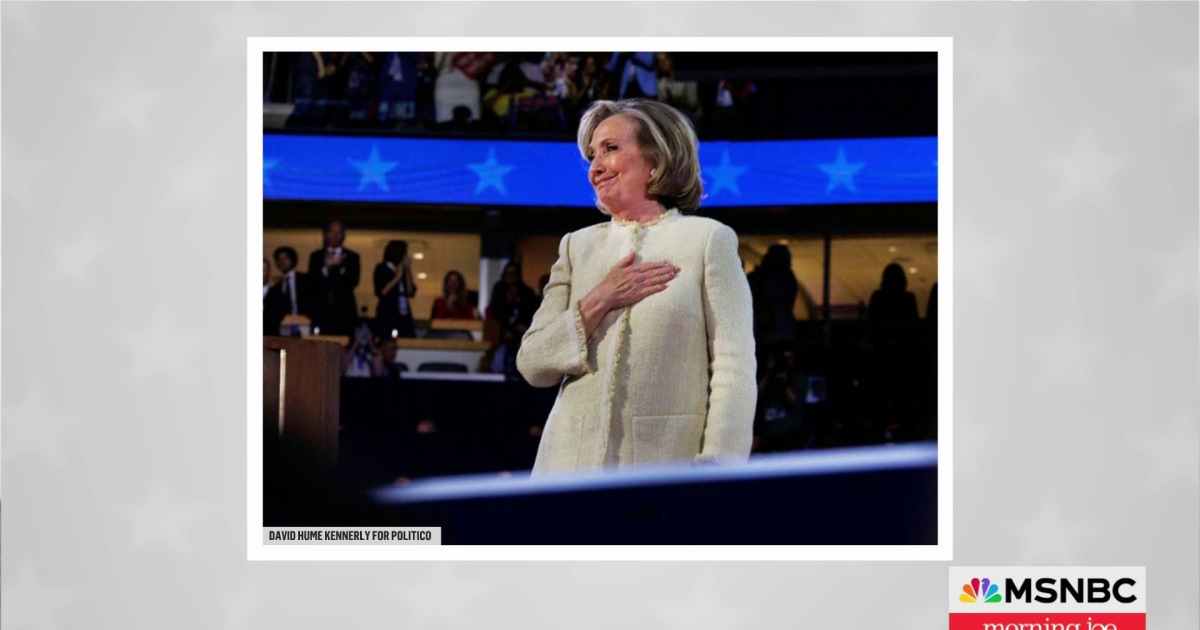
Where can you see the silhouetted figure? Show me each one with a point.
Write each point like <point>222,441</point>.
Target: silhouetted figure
<point>773,287</point>
<point>513,304</point>
<point>333,272</point>
<point>931,305</point>
<point>395,289</point>
<point>893,303</point>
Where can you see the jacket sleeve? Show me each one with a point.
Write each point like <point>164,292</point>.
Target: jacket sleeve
<point>555,344</point>
<point>728,314</point>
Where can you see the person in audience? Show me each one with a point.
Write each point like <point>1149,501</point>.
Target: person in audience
<point>395,289</point>
<point>387,352</point>
<point>681,95</point>
<point>398,89</point>
<point>592,84</point>
<point>359,81</point>
<point>453,304</point>
<point>314,74</point>
<point>274,306</point>
<point>781,389</point>
<point>334,273</point>
<point>362,358</point>
<point>499,102</point>
<point>293,290</point>
<point>635,71</point>
<point>931,305</point>
<point>893,303</point>
<point>457,82</point>
<point>646,325</point>
<point>774,287</point>
<point>512,304</point>
<point>426,88</point>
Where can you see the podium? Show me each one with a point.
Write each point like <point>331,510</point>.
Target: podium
<point>301,389</point>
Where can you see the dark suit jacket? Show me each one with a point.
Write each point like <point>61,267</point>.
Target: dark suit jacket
<point>334,308</point>
<point>278,303</point>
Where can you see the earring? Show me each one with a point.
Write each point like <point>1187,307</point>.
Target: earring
<point>651,172</point>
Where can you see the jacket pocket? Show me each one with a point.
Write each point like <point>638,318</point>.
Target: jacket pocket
<point>659,439</point>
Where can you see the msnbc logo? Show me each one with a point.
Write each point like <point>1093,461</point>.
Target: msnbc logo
<point>980,590</point>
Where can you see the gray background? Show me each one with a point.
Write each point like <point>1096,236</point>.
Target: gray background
<point>124,323</point>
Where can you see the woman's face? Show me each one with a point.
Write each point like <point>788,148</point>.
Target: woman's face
<point>589,65</point>
<point>452,284</point>
<point>619,172</point>
<point>510,276</point>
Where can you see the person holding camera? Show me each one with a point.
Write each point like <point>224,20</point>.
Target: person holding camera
<point>781,390</point>
<point>362,358</point>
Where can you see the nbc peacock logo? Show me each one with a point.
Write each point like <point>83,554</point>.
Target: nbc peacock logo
<point>980,591</point>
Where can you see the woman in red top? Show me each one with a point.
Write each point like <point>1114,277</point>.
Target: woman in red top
<point>454,303</point>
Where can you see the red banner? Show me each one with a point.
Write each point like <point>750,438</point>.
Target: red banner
<point>1047,621</point>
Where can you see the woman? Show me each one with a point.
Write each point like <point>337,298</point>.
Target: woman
<point>774,287</point>
<point>893,303</point>
<point>512,304</point>
<point>454,303</point>
<point>646,323</point>
<point>361,359</point>
<point>395,288</point>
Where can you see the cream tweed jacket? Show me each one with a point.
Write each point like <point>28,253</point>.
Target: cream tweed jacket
<point>671,378</point>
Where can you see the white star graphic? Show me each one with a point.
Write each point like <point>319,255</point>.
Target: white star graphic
<point>374,170</point>
<point>122,100</point>
<point>162,520</point>
<point>725,175</point>
<point>1086,172</point>
<point>267,166</point>
<point>20,15</point>
<point>1182,96</point>
<point>75,257</point>
<point>19,173</point>
<point>1182,617</point>
<point>995,74</point>
<point>1067,356</point>
<point>1172,454</point>
<point>160,347</point>
<point>238,606</point>
<point>841,173</point>
<point>29,603</point>
<point>1050,537</point>
<point>196,182</point>
<point>929,616</point>
<point>705,606</point>
<point>233,22</point>
<point>979,259</point>
<point>1175,272</point>
<point>975,443</point>
<point>491,173</point>
<point>888,18</point>
<point>32,427</point>
<point>445,597</point>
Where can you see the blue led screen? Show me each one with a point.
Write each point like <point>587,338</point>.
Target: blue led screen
<point>524,173</point>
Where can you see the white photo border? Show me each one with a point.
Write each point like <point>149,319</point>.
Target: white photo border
<point>942,551</point>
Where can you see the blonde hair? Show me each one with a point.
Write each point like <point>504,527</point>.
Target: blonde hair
<point>666,138</point>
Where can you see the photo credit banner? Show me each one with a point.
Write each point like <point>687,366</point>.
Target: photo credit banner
<point>1047,598</point>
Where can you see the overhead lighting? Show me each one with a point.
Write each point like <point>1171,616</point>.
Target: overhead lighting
<point>419,256</point>
<point>422,275</point>
<point>912,270</point>
<point>893,249</point>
